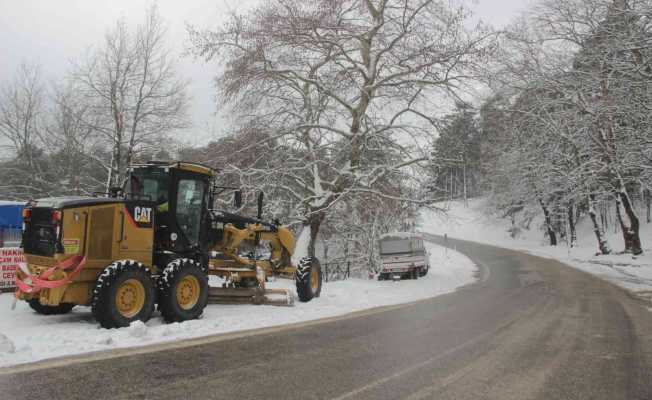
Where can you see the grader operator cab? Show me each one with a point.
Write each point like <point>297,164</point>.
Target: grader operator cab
<point>154,242</point>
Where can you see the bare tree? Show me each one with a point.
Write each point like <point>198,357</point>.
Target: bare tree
<point>135,94</point>
<point>74,145</point>
<point>22,111</point>
<point>21,108</point>
<point>347,86</point>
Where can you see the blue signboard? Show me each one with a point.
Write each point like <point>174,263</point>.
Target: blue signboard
<point>11,215</point>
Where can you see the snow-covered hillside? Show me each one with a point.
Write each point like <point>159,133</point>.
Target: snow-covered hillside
<point>474,224</point>
<point>26,336</point>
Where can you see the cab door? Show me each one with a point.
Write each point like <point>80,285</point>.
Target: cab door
<point>188,211</point>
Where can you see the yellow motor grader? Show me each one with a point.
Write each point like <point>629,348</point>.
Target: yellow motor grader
<point>153,243</point>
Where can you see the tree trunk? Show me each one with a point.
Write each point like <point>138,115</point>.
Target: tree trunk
<point>603,245</point>
<point>551,232</point>
<point>631,231</point>
<point>109,177</point>
<point>118,166</point>
<point>623,227</point>
<point>450,173</point>
<point>315,220</point>
<point>648,205</point>
<point>571,224</point>
<point>603,218</point>
<point>466,203</point>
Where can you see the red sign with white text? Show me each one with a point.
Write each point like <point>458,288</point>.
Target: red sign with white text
<point>10,257</point>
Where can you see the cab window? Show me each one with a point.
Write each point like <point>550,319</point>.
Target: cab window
<point>190,198</point>
<point>151,185</point>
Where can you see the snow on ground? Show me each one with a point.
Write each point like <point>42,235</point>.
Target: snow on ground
<point>26,336</point>
<point>472,223</point>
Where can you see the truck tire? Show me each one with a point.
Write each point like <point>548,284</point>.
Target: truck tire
<point>62,308</point>
<point>423,272</point>
<point>308,278</point>
<point>124,293</point>
<point>183,290</point>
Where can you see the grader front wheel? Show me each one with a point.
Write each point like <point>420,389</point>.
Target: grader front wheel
<point>308,279</point>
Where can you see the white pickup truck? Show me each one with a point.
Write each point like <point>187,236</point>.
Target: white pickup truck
<point>402,255</point>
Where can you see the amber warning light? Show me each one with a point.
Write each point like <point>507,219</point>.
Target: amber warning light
<point>56,217</point>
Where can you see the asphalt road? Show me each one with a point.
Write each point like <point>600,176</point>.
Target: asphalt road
<point>531,329</point>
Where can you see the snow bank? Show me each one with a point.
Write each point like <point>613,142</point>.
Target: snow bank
<point>35,337</point>
<point>472,223</point>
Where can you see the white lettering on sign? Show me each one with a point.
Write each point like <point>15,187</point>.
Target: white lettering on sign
<point>143,214</point>
<point>10,257</point>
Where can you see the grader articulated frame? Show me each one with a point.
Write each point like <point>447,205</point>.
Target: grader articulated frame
<point>245,274</point>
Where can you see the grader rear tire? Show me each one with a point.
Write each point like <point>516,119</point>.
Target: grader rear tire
<point>308,279</point>
<point>123,293</point>
<point>62,308</point>
<point>183,290</point>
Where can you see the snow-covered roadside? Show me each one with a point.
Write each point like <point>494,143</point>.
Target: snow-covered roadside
<point>31,337</point>
<point>471,223</point>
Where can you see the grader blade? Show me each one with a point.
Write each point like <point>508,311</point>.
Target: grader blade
<point>257,296</point>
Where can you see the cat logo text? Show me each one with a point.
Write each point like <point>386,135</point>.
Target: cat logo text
<point>143,215</point>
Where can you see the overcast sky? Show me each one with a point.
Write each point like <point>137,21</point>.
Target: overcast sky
<point>54,32</point>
